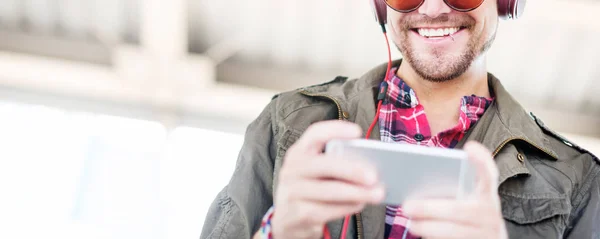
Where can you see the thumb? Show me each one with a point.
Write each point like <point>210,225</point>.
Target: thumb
<point>485,166</point>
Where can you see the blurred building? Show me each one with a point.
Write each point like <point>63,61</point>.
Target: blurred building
<point>113,109</point>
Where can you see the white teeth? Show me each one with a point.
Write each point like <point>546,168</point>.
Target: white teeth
<point>440,32</point>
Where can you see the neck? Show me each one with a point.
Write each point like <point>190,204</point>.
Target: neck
<point>473,81</point>
<point>441,100</point>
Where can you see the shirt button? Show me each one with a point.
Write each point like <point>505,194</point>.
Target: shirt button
<point>419,137</point>
<point>407,98</point>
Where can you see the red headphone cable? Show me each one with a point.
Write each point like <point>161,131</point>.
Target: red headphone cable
<point>326,233</point>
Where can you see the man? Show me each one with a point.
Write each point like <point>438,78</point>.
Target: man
<point>532,183</point>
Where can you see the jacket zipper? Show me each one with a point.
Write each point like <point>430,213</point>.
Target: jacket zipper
<point>359,229</point>
<point>523,139</point>
<point>359,225</point>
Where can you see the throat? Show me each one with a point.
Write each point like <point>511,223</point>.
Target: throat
<point>441,119</point>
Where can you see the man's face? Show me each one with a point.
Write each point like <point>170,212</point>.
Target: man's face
<point>435,58</point>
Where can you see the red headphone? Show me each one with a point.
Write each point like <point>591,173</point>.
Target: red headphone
<point>507,9</point>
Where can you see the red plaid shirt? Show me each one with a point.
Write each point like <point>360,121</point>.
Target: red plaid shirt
<point>402,120</point>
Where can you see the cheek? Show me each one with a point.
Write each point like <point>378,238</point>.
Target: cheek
<point>491,18</point>
<point>394,30</point>
<point>489,27</point>
<point>485,27</point>
<point>394,22</point>
<point>486,17</point>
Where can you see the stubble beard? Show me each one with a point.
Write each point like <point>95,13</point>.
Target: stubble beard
<point>443,67</point>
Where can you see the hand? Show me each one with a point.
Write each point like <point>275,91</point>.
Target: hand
<point>478,216</point>
<point>315,188</point>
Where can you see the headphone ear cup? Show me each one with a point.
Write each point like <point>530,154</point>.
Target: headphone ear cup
<point>511,9</point>
<point>380,11</point>
<point>519,7</point>
<point>503,6</point>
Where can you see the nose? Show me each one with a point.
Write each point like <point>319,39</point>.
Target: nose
<point>434,8</point>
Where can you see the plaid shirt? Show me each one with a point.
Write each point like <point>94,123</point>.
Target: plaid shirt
<point>402,120</point>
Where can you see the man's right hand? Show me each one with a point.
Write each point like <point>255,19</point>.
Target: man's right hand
<point>315,188</point>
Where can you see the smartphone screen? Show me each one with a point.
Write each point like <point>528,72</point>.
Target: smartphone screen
<point>410,170</point>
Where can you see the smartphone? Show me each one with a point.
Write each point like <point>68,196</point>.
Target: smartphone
<point>413,171</point>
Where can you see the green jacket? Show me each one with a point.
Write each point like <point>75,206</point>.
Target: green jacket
<point>549,187</point>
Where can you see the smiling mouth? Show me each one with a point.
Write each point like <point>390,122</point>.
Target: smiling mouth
<point>437,32</point>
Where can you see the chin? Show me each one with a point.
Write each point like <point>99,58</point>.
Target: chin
<point>439,77</point>
<point>440,68</point>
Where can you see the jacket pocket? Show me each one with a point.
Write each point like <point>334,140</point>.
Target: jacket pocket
<point>287,139</point>
<point>527,209</point>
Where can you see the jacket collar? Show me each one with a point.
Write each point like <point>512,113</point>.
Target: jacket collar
<point>506,121</point>
<point>513,118</point>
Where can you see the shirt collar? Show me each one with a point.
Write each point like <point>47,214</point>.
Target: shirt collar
<point>403,96</point>
<point>399,93</point>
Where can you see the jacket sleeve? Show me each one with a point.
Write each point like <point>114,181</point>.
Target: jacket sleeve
<point>586,222</point>
<point>237,210</point>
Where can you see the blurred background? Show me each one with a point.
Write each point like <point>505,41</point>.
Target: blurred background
<point>123,118</point>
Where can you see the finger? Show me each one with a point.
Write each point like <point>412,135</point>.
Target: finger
<point>487,172</point>
<point>330,212</point>
<point>444,229</point>
<point>308,217</point>
<point>462,212</point>
<point>327,167</point>
<point>329,191</point>
<point>313,212</point>
<point>318,134</point>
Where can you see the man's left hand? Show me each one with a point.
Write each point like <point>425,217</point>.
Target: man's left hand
<point>478,216</point>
